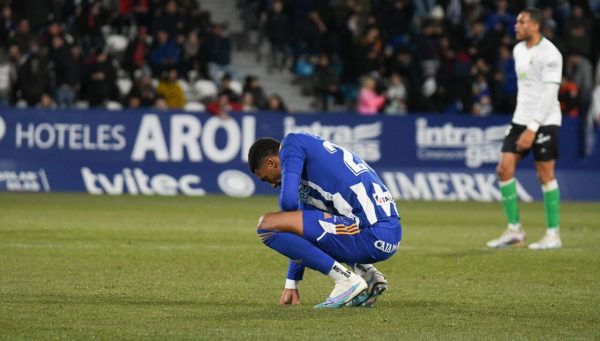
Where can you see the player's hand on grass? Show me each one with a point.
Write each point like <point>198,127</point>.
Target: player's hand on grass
<point>525,141</point>
<point>290,296</point>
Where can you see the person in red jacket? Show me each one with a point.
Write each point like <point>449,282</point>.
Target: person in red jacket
<point>223,106</point>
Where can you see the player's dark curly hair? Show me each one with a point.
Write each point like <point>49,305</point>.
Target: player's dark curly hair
<point>535,15</point>
<point>262,148</point>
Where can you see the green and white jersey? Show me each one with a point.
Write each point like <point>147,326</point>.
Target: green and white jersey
<point>536,66</point>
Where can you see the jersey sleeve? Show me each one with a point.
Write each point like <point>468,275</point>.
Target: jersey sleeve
<point>292,158</point>
<point>552,68</point>
<point>295,271</point>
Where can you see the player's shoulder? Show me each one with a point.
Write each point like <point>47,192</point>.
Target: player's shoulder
<point>520,46</point>
<point>299,138</point>
<point>549,49</point>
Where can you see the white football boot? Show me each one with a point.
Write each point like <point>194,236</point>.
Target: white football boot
<point>509,237</point>
<point>550,241</point>
<point>377,285</point>
<point>344,292</point>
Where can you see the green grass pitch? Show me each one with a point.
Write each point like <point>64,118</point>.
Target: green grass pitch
<point>80,267</point>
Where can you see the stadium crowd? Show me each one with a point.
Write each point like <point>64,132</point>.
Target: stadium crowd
<point>370,56</point>
<point>398,56</point>
<point>164,54</point>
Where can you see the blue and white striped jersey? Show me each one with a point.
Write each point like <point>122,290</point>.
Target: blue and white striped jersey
<point>332,179</point>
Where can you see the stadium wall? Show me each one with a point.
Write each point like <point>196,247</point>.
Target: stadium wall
<point>419,157</point>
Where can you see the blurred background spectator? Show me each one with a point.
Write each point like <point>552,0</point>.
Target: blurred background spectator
<point>440,56</point>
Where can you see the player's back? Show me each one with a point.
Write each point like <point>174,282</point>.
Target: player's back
<point>335,180</point>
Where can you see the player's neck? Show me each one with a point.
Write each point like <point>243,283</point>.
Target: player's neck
<point>534,40</point>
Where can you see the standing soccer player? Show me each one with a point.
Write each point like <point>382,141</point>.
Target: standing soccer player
<point>335,210</point>
<point>535,125</point>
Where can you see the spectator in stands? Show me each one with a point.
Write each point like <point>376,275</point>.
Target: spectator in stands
<point>68,72</point>
<point>248,103</point>
<point>276,104</point>
<point>325,83</point>
<point>218,51</point>
<point>33,78</point>
<point>307,27</point>
<point>166,53</point>
<point>138,51</point>
<point>369,102</point>
<point>252,86</point>
<point>223,106</point>
<point>170,90</point>
<point>277,31</point>
<point>371,51</point>
<point>161,104</point>
<point>578,32</point>
<point>579,69</point>
<point>142,10</point>
<point>482,102</point>
<point>396,19</point>
<point>350,35</point>
<point>36,12</point>
<point>54,30</point>
<point>46,102</point>
<point>568,95</point>
<point>8,76</point>
<point>89,23</point>
<point>479,42</point>
<point>404,64</point>
<point>193,55</point>
<point>502,19</point>
<point>505,82</point>
<point>396,96</point>
<point>226,89</point>
<point>22,37</point>
<point>101,80</point>
<point>142,94</point>
<point>8,23</point>
<point>170,19</point>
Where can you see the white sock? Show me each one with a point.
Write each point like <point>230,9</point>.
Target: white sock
<point>514,227</point>
<point>339,272</point>
<point>361,269</point>
<point>553,231</point>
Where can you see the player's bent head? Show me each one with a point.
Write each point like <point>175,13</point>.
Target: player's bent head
<point>261,149</point>
<point>536,16</point>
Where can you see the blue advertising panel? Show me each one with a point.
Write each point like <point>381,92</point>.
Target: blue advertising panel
<point>149,153</point>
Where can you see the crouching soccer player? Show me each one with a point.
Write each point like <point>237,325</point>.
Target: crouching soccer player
<point>334,209</point>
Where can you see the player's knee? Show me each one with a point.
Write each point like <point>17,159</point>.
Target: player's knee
<point>265,222</point>
<point>263,228</point>
<point>504,173</point>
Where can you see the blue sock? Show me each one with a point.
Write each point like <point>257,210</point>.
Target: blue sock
<point>296,247</point>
